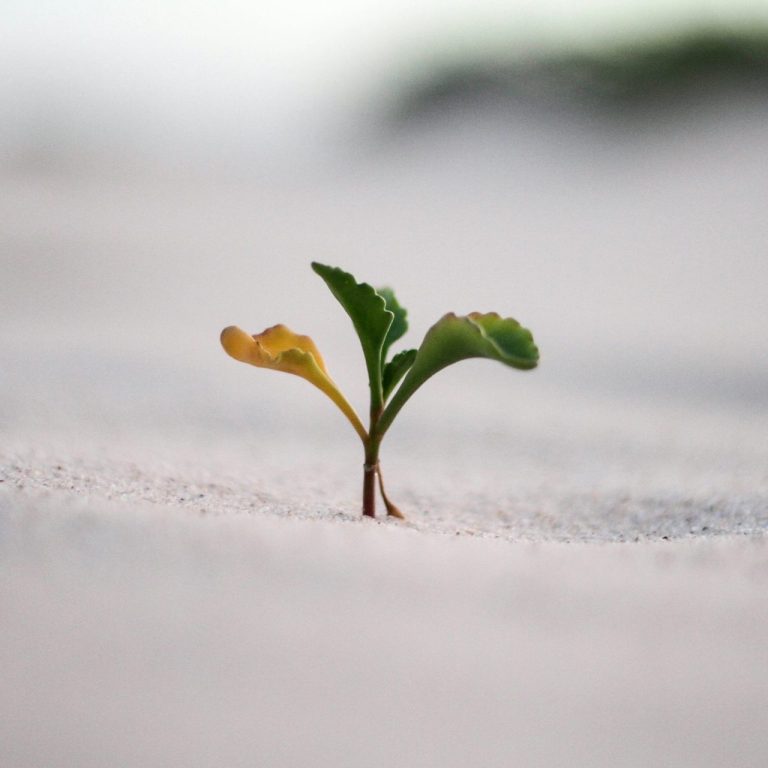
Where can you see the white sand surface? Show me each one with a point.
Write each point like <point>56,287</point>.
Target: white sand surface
<point>582,580</point>
<point>138,635</point>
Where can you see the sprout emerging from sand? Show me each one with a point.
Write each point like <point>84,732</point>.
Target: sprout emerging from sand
<point>380,321</point>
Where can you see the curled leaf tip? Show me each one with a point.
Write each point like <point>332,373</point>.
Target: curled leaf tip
<point>513,342</point>
<point>237,343</point>
<point>277,347</point>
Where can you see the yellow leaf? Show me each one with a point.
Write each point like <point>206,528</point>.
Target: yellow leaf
<point>280,349</point>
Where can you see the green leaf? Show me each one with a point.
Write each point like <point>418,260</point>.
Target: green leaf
<point>396,368</point>
<point>455,338</point>
<point>399,324</point>
<point>370,316</point>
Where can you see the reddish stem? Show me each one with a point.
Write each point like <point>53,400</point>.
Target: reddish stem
<point>369,488</point>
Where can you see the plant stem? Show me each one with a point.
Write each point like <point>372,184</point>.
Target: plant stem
<point>371,467</point>
<point>392,510</point>
<point>369,486</point>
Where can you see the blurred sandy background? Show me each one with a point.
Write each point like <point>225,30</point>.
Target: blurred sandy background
<point>179,539</point>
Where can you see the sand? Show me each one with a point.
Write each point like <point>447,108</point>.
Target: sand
<point>185,579</point>
<point>146,635</point>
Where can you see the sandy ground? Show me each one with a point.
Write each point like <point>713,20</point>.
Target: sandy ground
<point>184,576</point>
<point>142,635</point>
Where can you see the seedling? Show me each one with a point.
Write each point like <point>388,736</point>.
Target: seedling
<point>380,321</point>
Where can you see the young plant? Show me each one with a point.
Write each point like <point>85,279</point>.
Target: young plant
<point>380,321</point>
